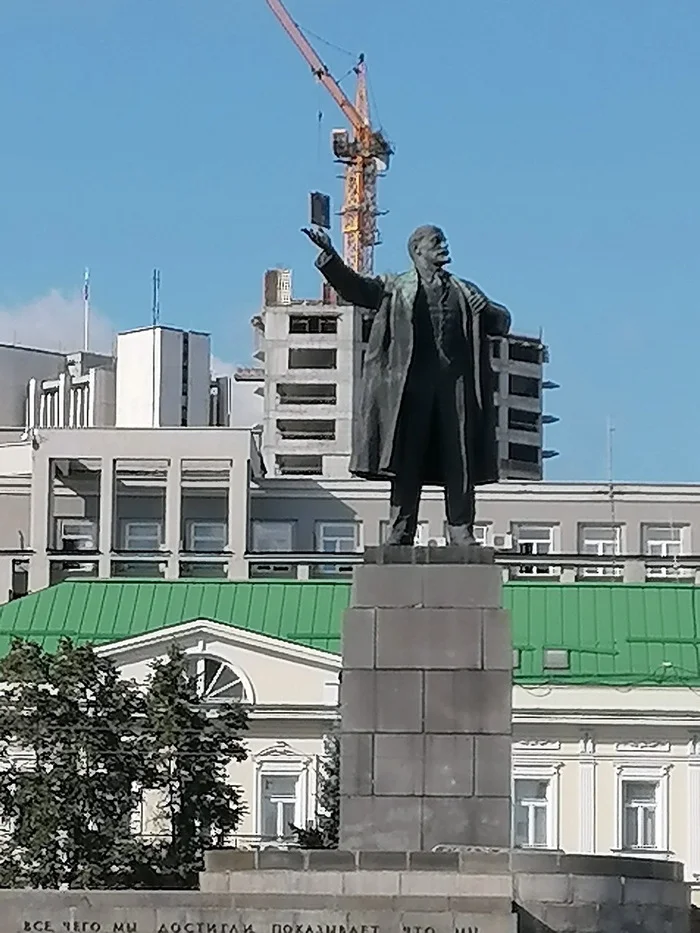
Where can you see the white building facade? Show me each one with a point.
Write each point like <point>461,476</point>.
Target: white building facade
<point>596,769</point>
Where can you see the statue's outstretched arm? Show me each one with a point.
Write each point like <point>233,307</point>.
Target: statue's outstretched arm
<point>356,289</point>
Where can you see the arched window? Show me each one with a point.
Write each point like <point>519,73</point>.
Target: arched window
<point>217,682</point>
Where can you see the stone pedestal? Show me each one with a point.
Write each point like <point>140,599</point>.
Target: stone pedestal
<point>335,891</point>
<point>426,702</point>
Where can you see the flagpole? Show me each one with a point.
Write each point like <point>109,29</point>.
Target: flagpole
<point>86,311</point>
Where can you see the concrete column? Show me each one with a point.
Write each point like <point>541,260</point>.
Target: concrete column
<point>107,523</point>
<point>634,571</point>
<point>238,498</point>
<point>693,862</point>
<point>587,801</point>
<point>5,577</point>
<point>425,700</point>
<point>64,387</point>
<point>173,517</point>
<point>41,515</point>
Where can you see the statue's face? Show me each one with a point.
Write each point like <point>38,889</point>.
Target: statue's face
<point>431,246</point>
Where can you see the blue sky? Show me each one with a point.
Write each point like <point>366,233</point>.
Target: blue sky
<point>557,142</point>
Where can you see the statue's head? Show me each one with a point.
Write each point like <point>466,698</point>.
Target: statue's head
<point>428,245</point>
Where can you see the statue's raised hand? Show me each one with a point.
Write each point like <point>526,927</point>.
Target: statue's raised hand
<point>319,238</point>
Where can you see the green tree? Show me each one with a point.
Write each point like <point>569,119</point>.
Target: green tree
<point>323,834</point>
<point>71,756</point>
<point>189,750</point>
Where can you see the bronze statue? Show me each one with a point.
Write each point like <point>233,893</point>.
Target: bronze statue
<point>427,414</point>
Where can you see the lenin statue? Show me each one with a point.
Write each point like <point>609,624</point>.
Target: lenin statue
<point>427,414</point>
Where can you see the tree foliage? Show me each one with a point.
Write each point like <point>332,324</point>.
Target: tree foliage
<point>323,834</point>
<point>78,744</point>
<point>188,750</point>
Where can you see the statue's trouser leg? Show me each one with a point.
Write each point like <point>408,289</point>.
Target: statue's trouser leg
<point>414,436</point>
<point>454,454</point>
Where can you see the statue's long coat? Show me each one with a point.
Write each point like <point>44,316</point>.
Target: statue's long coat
<point>390,300</point>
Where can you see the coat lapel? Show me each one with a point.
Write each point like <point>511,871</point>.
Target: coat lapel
<point>408,286</point>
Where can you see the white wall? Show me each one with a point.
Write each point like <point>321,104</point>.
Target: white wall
<point>17,366</point>
<point>169,377</point>
<point>199,379</point>
<point>138,375</point>
<point>149,378</point>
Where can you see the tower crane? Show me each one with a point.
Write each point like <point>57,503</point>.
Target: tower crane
<point>364,151</point>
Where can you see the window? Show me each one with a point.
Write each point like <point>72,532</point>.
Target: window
<point>665,541</point>
<point>299,464</point>
<point>420,540</point>
<point>76,534</point>
<point>534,539</point>
<point>642,807</point>
<point>531,813</point>
<point>524,453</point>
<point>216,681</point>
<point>203,570</point>
<point>524,352</point>
<point>603,540</point>
<point>337,537</point>
<point>273,537</point>
<point>208,537</point>
<point>297,393</point>
<point>556,659</point>
<point>519,419</point>
<point>311,358</point>
<point>639,814</point>
<point>367,322</point>
<point>142,536</point>
<point>278,805</point>
<point>525,386</point>
<point>481,534</point>
<point>296,429</point>
<point>141,569</point>
<point>313,324</point>
<point>495,348</point>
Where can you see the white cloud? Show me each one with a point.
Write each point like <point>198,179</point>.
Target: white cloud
<point>54,322</point>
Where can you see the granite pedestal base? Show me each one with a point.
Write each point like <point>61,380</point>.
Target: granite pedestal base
<point>425,702</point>
<point>340,891</point>
<point>454,891</point>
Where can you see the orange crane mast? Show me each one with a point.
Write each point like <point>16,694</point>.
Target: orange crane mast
<point>365,153</point>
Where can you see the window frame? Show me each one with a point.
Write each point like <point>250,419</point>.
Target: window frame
<point>319,536</point>
<point>535,570</point>
<point>197,659</point>
<point>682,543</point>
<point>191,526</point>
<point>283,761</point>
<point>126,526</point>
<point>550,774</point>
<point>633,774</point>
<point>618,547</point>
<point>92,536</point>
<point>255,524</point>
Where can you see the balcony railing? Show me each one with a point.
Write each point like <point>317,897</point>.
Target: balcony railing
<point>628,568</point>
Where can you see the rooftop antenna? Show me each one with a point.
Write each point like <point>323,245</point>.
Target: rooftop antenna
<point>86,310</point>
<point>155,321</point>
<point>155,308</point>
<point>611,484</point>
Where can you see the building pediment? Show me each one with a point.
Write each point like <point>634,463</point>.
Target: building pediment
<point>272,672</point>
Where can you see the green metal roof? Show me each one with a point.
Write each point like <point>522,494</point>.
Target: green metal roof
<point>615,633</point>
